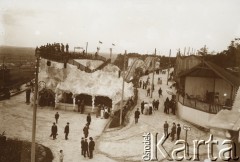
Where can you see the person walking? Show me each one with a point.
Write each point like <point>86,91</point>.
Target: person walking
<point>140,83</point>
<point>165,127</point>
<point>54,131</point>
<point>157,104</point>
<point>79,105</point>
<point>142,106</point>
<point>61,155</point>
<point>28,94</point>
<point>85,131</point>
<point>160,92</point>
<point>67,47</point>
<point>89,119</point>
<point>85,148</point>
<point>148,91</point>
<point>56,117</point>
<point>82,107</point>
<point>178,131</point>
<point>66,131</point>
<point>91,146</point>
<point>136,115</point>
<point>82,144</point>
<point>173,131</point>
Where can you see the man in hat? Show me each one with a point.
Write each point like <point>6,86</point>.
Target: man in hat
<point>85,148</point>
<point>56,117</point>
<point>66,131</point>
<point>91,146</point>
<point>178,131</point>
<point>136,115</point>
<point>82,144</point>
<point>54,131</point>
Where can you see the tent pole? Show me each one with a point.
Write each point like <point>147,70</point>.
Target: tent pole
<point>121,106</point>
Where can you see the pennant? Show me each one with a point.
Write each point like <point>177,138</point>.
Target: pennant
<point>113,44</point>
<point>100,42</point>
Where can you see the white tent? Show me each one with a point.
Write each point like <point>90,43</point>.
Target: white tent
<point>103,82</point>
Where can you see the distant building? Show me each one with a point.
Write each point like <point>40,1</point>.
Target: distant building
<point>184,63</point>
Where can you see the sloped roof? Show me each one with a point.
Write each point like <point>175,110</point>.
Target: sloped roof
<point>212,70</point>
<point>225,119</point>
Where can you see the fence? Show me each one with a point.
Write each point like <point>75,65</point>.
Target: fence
<point>200,105</point>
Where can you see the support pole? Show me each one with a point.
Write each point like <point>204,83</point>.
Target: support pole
<point>74,103</point>
<point>168,65</point>
<point>155,53</point>
<point>123,76</point>
<point>33,150</point>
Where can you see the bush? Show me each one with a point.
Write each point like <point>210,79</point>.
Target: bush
<point>20,151</point>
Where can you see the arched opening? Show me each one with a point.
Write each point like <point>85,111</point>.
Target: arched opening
<point>103,101</point>
<point>87,99</point>
<point>46,97</point>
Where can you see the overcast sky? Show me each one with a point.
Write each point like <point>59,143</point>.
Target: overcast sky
<point>132,25</point>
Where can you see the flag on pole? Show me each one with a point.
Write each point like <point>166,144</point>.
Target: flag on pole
<point>113,44</point>
<point>100,42</point>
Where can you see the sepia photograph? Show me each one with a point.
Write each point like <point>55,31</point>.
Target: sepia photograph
<point>119,80</point>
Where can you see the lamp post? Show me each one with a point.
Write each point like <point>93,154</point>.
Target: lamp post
<point>123,76</point>
<point>186,128</point>
<point>33,149</point>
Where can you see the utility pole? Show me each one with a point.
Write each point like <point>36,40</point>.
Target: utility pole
<point>168,65</point>
<point>33,149</point>
<point>123,76</point>
<point>155,53</point>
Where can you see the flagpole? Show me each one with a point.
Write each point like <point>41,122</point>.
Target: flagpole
<point>123,76</point>
<point>155,53</point>
<point>168,65</point>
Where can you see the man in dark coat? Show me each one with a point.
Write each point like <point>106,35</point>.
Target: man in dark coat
<point>82,144</point>
<point>82,107</point>
<point>142,106</point>
<point>136,115</point>
<point>173,131</point>
<point>160,92</point>
<point>85,148</point>
<point>66,131</point>
<point>54,131</point>
<point>178,131</point>
<point>28,94</point>
<point>79,105</point>
<point>157,104</point>
<point>165,127</point>
<point>140,83</point>
<point>56,117</point>
<point>89,119</point>
<point>85,131</point>
<point>91,147</point>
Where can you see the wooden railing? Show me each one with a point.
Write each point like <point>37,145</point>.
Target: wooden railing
<point>200,105</point>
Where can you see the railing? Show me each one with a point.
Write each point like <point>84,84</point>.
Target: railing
<point>200,105</point>
<point>63,56</point>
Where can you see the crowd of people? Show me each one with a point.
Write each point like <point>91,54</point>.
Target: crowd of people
<point>174,130</point>
<point>53,48</point>
<point>52,52</point>
<point>86,147</point>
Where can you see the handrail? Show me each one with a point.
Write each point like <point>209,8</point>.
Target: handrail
<point>200,105</point>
